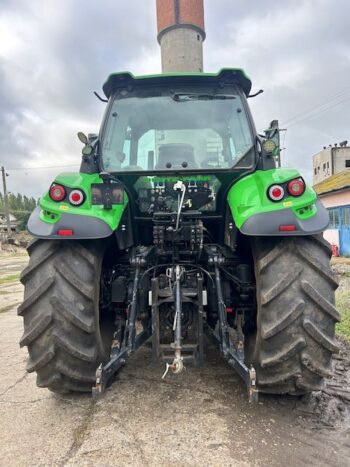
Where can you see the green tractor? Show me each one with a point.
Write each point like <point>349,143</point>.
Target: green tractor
<point>178,225</point>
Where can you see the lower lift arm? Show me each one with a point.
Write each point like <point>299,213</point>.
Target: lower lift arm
<point>234,354</point>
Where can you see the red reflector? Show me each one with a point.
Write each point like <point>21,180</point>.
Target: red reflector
<point>65,232</point>
<point>76,197</point>
<point>287,228</point>
<point>276,192</point>
<point>229,309</point>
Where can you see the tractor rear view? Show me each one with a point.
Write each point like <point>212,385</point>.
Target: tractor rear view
<point>179,225</point>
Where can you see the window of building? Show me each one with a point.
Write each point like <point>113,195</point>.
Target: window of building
<point>315,171</point>
<point>324,166</point>
<point>347,163</point>
<point>334,218</point>
<point>327,165</point>
<point>318,169</point>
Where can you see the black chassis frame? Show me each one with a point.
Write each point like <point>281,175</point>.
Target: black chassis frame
<point>127,341</point>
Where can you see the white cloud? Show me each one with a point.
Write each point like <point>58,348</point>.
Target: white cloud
<point>53,54</point>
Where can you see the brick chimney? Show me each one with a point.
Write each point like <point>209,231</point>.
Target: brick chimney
<point>181,34</point>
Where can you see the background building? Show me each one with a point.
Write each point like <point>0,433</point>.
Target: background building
<point>3,223</point>
<point>334,192</point>
<point>330,161</point>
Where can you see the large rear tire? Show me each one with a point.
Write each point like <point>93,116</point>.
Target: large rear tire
<point>296,317</point>
<point>62,326</point>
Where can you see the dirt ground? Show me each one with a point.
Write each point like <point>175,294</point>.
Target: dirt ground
<point>201,417</point>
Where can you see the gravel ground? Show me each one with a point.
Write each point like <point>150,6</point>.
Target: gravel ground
<point>199,418</point>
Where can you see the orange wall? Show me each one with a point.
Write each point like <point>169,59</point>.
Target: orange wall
<point>332,200</point>
<point>191,12</point>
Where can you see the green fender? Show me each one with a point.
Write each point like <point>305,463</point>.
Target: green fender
<point>255,214</point>
<point>86,220</point>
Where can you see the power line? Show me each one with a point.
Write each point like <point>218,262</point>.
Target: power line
<point>311,115</point>
<point>333,100</point>
<point>325,102</point>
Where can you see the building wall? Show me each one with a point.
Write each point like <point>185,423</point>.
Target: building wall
<point>322,165</point>
<point>181,34</point>
<point>192,11</point>
<point>338,233</point>
<point>330,161</point>
<point>340,156</point>
<point>170,12</point>
<point>331,200</point>
<point>165,14</point>
<point>182,50</point>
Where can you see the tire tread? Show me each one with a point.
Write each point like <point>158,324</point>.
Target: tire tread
<point>296,319</point>
<point>59,314</point>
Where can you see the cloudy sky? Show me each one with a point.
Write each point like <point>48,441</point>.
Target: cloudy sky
<point>55,53</point>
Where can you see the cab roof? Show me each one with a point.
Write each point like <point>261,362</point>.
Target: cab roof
<point>226,76</point>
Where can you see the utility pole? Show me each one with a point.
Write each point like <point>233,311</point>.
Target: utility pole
<point>6,201</point>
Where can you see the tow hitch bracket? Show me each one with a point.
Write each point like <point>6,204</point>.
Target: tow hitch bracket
<point>231,349</point>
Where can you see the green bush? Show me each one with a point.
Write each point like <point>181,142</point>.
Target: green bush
<point>343,305</point>
<point>20,206</point>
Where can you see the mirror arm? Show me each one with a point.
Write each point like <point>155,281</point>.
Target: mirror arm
<point>256,94</point>
<point>99,97</point>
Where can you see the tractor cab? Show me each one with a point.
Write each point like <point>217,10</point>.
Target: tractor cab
<point>197,123</point>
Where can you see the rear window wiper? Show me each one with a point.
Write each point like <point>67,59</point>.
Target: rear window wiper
<point>178,97</point>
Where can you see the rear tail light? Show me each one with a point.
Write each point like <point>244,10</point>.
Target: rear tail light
<point>296,187</point>
<point>76,197</point>
<point>276,192</point>
<point>57,192</point>
<point>287,228</point>
<point>65,232</point>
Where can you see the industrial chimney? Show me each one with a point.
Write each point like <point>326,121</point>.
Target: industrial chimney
<point>181,34</point>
